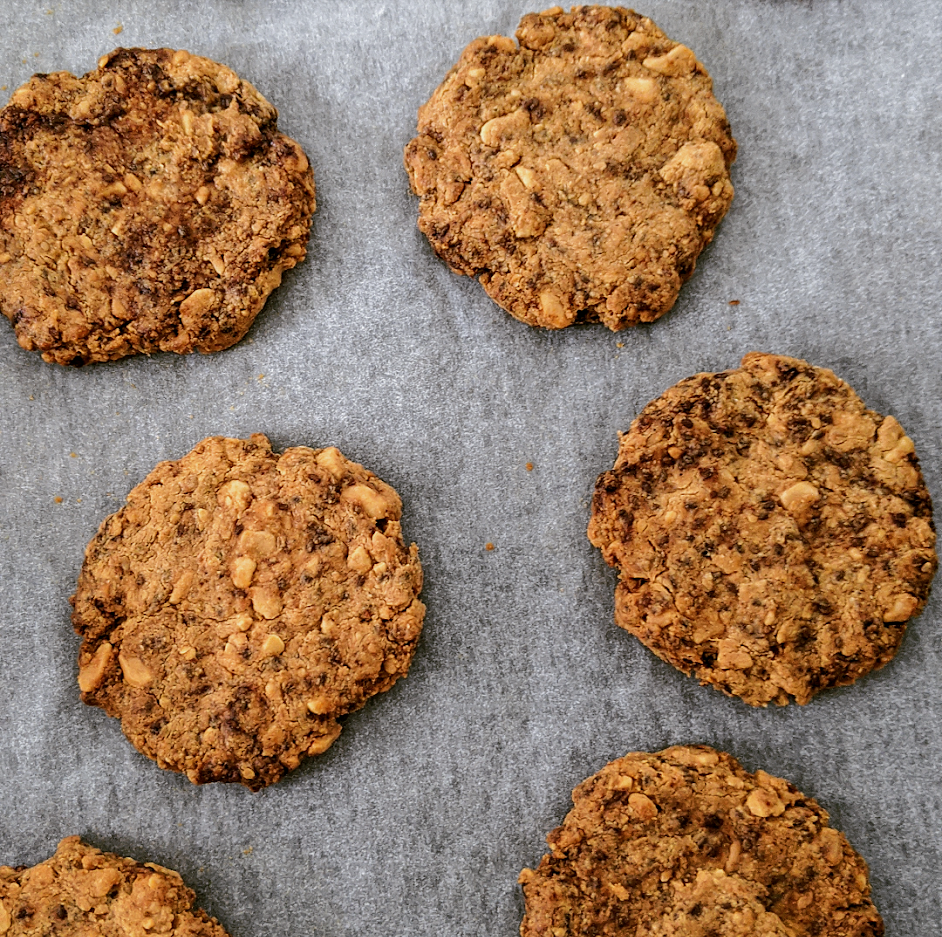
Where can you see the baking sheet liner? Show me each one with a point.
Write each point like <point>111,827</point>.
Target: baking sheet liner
<point>420,817</point>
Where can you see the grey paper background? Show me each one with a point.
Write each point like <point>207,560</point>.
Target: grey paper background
<point>420,817</point>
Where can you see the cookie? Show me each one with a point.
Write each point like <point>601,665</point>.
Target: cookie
<point>772,535</point>
<point>685,843</point>
<point>150,206</point>
<point>577,175</point>
<point>82,890</point>
<point>241,602</point>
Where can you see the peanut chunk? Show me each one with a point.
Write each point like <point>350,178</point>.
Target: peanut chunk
<point>257,543</point>
<point>235,495</point>
<point>241,570</point>
<point>266,600</point>
<point>642,805</point>
<point>371,501</point>
<point>91,674</point>
<point>197,305</point>
<point>901,608</point>
<point>272,645</point>
<point>359,560</point>
<point>764,803</point>
<point>135,671</point>
<point>555,314</point>
<point>799,497</point>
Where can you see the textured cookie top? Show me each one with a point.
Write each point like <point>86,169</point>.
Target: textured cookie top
<point>150,206</point>
<point>579,175</point>
<point>685,843</point>
<point>82,891</point>
<point>240,602</point>
<point>772,534</point>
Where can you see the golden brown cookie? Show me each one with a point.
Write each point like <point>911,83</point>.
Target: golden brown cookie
<point>577,175</point>
<point>82,891</point>
<point>150,206</point>
<point>772,535</point>
<point>241,602</point>
<point>685,843</point>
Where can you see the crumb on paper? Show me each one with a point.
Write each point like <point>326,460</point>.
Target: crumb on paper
<point>261,377</point>
<point>118,29</point>
<point>734,302</point>
<point>248,851</point>
<point>488,546</point>
<point>529,466</point>
<point>619,344</point>
<point>57,499</point>
<point>72,455</point>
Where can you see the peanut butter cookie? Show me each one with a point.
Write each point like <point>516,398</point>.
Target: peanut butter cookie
<point>241,602</point>
<point>685,843</point>
<point>577,175</point>
<point>82,890</point>
<point>150,206</point>
<point>772,535</point>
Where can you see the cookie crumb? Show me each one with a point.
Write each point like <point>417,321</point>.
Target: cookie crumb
<point>72,455</point>
<point>734,302</point>
<point>488,546</point>
<point>529,466</point>
<point>118,29</point>
<point>57,499</point>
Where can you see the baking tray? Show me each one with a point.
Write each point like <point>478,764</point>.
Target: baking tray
<point>420,817</point>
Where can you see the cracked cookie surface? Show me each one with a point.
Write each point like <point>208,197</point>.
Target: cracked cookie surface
<point>241,602</point>
<point>82,890</point>
<point>578,175</point>
<point>685,843</point>
<point>772,535</point>
<point>151,205</point>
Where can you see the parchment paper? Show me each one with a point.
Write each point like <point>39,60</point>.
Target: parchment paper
<point>421,816</point>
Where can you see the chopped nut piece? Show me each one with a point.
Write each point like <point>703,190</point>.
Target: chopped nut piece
<point>272,645</point>
<point>242,569</point>
<point>266,600</point>
<point>91,673</point>
<point>135,671</point>
<point>799,497</point>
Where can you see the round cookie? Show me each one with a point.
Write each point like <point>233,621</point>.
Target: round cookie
<point>579,175</point>
<point>772,535</point>
<point>150,206</point>
<point>685,843</point>
<point>82,890</point>
<point>242,601</point>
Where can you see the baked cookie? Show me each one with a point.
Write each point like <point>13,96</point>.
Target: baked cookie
<point>242,601</point>
<point>685,843</point>
<point>579,175</point>
<point>771,533</point>
<point>82,890</point>
<point>150,206</point>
